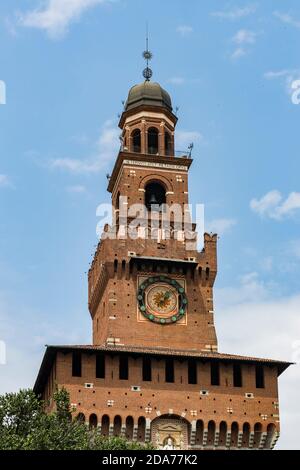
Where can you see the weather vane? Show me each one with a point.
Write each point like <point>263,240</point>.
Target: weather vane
<point>147,72</point>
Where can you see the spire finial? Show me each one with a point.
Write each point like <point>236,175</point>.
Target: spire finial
<point>147,72</point>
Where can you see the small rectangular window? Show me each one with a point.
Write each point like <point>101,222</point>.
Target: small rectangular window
<point>259,376</point>
<point>76,364</point>
<point>169,371</point>
<point>100,366</point>
<point>215,373</point>
<point>147,369</point>
<point>192,371</point>
<point>237,375</point>
<point>123,368</point>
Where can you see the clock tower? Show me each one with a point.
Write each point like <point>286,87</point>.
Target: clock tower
<point>158,288</point>
<point>153,371</point>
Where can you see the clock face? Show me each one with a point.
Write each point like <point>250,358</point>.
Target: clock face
<point>162,300</point>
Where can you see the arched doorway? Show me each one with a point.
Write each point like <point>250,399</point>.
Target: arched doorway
<point>170,431</point>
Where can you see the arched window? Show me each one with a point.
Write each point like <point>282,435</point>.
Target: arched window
<point>223,434</point>
<point>80,417</point>
<point>271,430</point>
<point>199,432</point>
<point>257,434</point>
<point>136,140</point>
<point>93,421</point>
<point>129,428</point>
<point>246,434</point>
<point>168,143</point>
<point>117,425</point>
<point>234,434</point>
<point>153,141</point>
<point>105,425</point>
<point>155,195</point>
<point>141,429</point>
<point>211,433</point>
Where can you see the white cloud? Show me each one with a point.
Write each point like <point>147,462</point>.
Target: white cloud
<point>244,36</point>
<point>76,189</point>
<point>54,16</point>
<point>184,30</point>
<point>236,13</point>
<point>220,226</point>
<point>106,150</point>
<point>184,138</point>
<point>276,74</point>
<point>250,321</point>
<point>273,205</point>
<point>287,19</point>
<point>242,39</point>
<point>238,53</point>
<point>267,203</point>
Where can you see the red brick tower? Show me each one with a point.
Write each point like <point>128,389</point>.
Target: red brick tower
<point>154,371</point>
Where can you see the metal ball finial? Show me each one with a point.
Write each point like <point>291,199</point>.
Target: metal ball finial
<point>147,72</point>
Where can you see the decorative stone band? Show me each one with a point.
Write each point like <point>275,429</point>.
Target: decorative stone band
<point>156,165</point>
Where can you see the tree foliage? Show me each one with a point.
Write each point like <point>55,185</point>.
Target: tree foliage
<point>24,425</point>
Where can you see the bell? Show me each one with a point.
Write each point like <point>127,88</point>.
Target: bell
<point>153,200</point>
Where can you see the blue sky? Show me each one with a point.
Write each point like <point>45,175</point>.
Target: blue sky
<point>229,67</point>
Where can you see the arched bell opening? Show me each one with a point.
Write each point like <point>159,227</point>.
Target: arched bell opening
<point>153,141</point>
<point>168,143</point>
<point>155,195</point>
<point>136,141</point>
